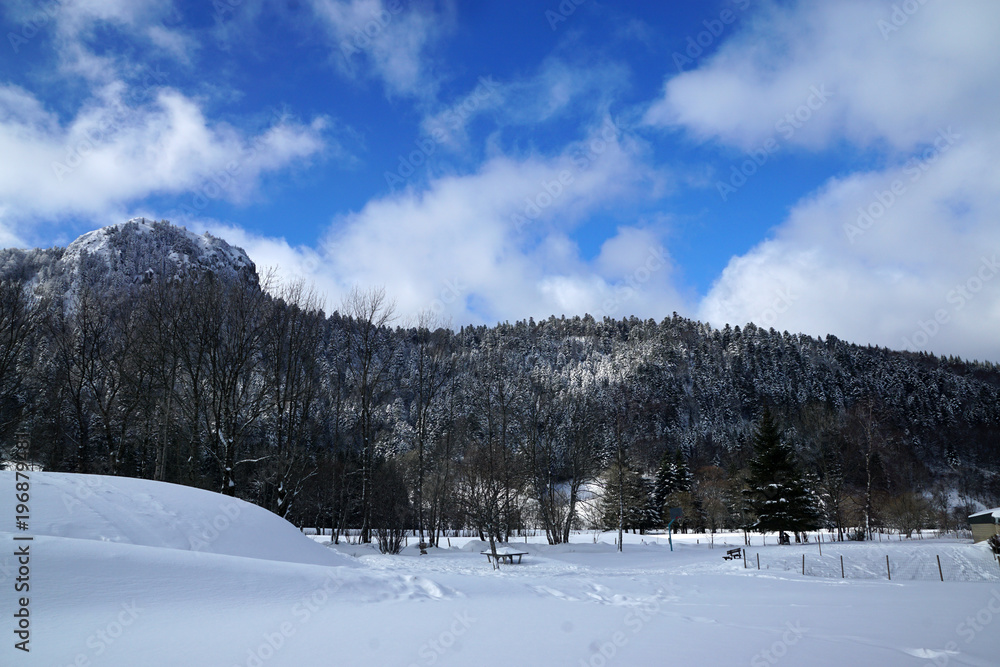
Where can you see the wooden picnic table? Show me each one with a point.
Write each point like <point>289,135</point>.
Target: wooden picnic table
<point>505,556</point>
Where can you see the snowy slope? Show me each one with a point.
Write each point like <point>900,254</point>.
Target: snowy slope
<point>157,514</point>
<point>124,573</point>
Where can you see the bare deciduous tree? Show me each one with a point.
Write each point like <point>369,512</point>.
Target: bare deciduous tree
<point>371,350</point>
<point>429,373</point>
<point>18,318</point>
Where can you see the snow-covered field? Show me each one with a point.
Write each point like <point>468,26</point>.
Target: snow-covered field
<point>137,573</point>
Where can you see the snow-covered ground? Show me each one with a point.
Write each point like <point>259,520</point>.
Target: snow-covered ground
<point>138,573</point>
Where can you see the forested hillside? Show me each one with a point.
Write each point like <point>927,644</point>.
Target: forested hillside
<point>144,350</point>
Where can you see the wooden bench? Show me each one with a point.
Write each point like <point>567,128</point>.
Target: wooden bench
<point>733,553</point>
<point>505,556</point>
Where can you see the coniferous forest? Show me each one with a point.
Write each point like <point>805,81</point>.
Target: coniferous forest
<point>144,350</point>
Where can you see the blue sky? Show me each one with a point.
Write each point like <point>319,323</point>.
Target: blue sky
<point>815,167</point>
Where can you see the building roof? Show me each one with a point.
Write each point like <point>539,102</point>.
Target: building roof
<point>988,514</point>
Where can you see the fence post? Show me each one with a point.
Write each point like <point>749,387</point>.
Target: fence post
<point>842,566</point>
<point>744,559</point>
<point>887,570</point>
<point>820,543</point>
<point>758,560</point>
<point>940,571</point>
<point>803,564</point>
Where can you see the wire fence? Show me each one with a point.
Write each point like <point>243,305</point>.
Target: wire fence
<point>946,564</point>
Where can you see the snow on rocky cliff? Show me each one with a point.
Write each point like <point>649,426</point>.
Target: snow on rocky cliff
<point>141,247</point>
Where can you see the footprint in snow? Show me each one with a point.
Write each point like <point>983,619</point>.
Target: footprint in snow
<point>698,619</point>
<point>551,592</point>
<point>418,587</point>
<point>929,653</point>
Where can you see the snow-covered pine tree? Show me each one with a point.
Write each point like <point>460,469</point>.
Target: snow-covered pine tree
<point>637,501</point>
<point>666,483</point>
<point>776,488</point>
<point>683,472</point>
<point>650,514</point>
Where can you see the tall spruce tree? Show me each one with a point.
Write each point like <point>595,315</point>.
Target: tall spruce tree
<point>672,488</point>
<point>777,490</point>
<point>683,472</point>
<point>635,506</point>
<point>666,484</point>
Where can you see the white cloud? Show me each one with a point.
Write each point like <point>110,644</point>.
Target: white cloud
<point>78,31</point>
<point>389,38</point>
<point>554,91</point>
<point>448,126</point>
<point>133,135</point>
<point>111,153</point>
<point>289,263</point>
<point>897,88</point>
<point>182,47</point>
<point>9,233</point>
<point>494,244</point>
<point>902,255</point>
<point>876,257</point>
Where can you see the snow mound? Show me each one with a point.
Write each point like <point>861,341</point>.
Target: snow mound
<point>127,572</point>
<point>157,514</point>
